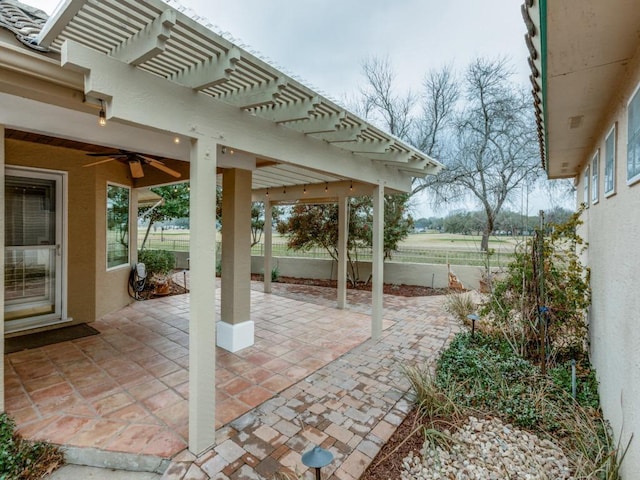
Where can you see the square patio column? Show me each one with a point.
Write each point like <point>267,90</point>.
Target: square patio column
<point>202,311</point>
<point>2,220</point>
<point>236,330</point>
<point>377,262</point>
<point>268,245</point>
<point>343,234</point>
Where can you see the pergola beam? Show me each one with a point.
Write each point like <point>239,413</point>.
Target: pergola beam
<point>256,97</point>
<point>290,113</point>
<point>366,146</point>
<point>348,134</point>
<point>148,42</point>
<point>213,72</point>
<point>317,125</point>
<point>397,157</point>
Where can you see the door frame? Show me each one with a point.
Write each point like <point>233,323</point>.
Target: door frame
<point>60,314</point>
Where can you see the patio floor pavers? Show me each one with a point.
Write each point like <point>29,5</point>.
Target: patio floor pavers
<point>309,379</point>
<point>350,406</point>
<point>131,381</point>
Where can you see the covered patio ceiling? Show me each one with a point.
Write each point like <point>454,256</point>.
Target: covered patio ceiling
<point>577,64</point>
<point>172,87</point>
<point>157,39</point>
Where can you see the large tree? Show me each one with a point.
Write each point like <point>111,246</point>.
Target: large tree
<point>174,204</point>
<point>494,150</point>
<point>479,125</point>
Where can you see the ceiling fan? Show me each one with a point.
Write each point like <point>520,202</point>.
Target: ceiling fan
<point>135,162</point>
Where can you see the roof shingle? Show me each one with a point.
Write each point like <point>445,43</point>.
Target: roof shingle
<point>23,20</point>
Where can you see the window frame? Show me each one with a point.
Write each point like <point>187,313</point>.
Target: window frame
<point>613,135</point>
<point>126,262</point>
<point>586,179</point>
<point>595,177</point>
<point>635,95</point>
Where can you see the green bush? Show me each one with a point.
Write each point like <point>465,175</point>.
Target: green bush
<point>275,274</point>
<point>22,459</point>
<point>586,383</point>
<point>539,305</point>
<point>158,262</point>
<point>490,377</point>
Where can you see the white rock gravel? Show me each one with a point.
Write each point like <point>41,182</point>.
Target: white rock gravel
<point>489,450</point>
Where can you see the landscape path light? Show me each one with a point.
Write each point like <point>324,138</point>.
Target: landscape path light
<point>317,458</point>
<point>473,317</point>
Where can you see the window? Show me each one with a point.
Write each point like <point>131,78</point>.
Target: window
<point>633,142</point>
<point>117,226</point>
<point>595,169</point>
<point>585,185</point>
<point>610,163</point>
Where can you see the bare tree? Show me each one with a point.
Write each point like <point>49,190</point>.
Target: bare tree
<point>493,151</point>
<point>479,125</point>
<point>381,104</point>
<point>439,98</point>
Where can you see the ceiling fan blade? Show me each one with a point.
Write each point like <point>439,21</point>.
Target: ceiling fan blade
<point>99,162</point>
<point>107,154</point>
<point>136,168</point>
<point>161,166</point>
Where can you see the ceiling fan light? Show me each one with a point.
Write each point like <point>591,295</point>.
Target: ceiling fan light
<point>136,168</point>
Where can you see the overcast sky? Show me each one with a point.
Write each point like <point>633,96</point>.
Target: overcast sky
<point>324,42</point>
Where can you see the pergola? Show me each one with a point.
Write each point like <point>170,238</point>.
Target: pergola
<point>173,87</point>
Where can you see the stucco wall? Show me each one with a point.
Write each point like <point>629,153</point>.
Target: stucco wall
<point>111,284</point>
<point>612,229</point>
<point>394,272</point>
<point>92,291</point>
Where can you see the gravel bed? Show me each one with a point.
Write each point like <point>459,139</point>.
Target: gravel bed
<point>488,450</point>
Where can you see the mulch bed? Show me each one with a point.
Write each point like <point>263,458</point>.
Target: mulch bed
<point>389,289</point>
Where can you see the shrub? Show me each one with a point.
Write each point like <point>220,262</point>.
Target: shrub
<point>482,375</point>
<point>157,262</point>
<point>460,305</point>
<point>22,459</point>
<point>539,306</point>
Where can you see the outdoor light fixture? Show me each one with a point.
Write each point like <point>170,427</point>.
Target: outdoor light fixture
<point>176,140</point>
<point>102,116</point>
<point>326,187</point>
<point>267,194</point>
<point>304,189</point>
<point>317,458</point>
<point>284,190</point>
<point>473,317</point>
<point>351,186</point>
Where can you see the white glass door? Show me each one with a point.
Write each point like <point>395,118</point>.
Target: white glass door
<point>33,249</point>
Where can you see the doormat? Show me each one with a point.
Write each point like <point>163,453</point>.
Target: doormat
<point>35,340</point>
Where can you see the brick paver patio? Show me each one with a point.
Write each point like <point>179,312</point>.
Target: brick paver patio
<point>350,406</point>
<point>302,383</point>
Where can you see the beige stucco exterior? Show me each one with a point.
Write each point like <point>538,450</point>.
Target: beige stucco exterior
<point>92,290</point>
<point>585,59</point>
<point>612,229</point>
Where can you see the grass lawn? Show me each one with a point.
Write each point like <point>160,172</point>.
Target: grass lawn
<point>437,248</point>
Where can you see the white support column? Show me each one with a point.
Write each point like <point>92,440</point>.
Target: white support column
<point>377,263</point>
<point>343,233</point>
<point>133,226</point>
<point>236,329</point>
<point>202,311</point>
<point>2,220</point>
<point>268,243</point>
